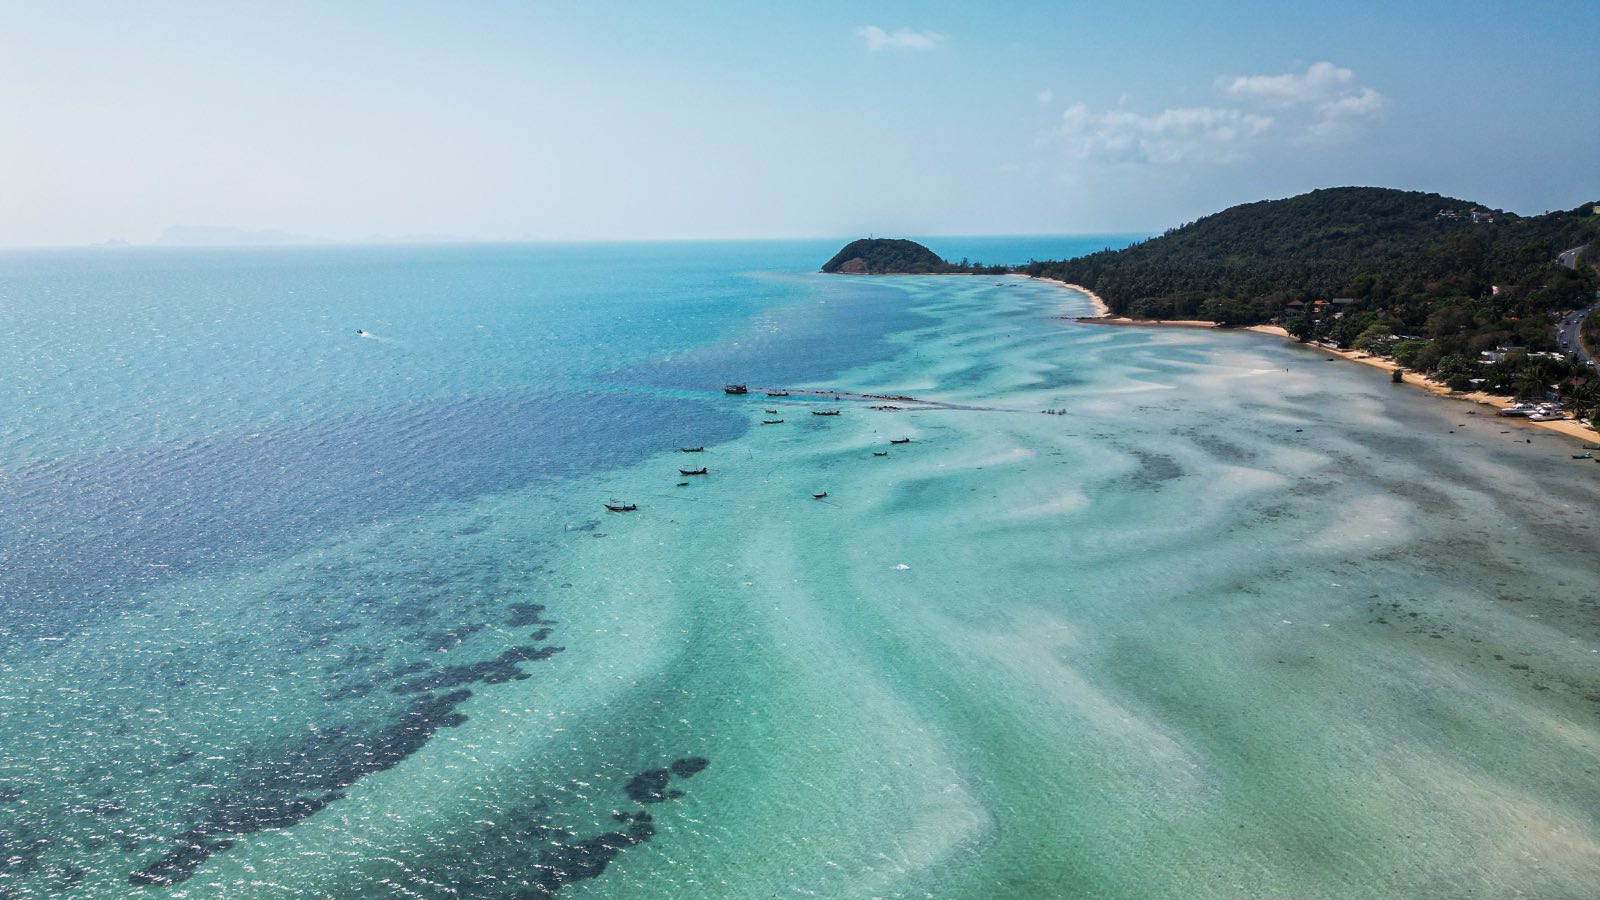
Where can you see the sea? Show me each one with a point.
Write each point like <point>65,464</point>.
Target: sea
<point>309,588</point>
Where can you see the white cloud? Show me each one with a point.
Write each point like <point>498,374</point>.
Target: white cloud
<point>1321,81</point>
<point>1045,97</point>
<point>1337,105</point>
<point>1339,120</point>
<point>1324,105</point>
<point>900,39</point>
<point>1186,134</point>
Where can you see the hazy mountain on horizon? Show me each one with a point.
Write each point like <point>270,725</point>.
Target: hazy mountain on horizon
<point>228,236</point>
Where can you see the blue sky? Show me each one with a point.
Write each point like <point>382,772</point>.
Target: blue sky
<point>551,121</point>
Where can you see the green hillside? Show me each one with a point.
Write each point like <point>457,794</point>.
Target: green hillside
<point>1384,248</point>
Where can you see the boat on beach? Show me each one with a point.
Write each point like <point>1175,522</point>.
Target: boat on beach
<point>735,389</point>
<point>614,506</point>
<point>699,471</point>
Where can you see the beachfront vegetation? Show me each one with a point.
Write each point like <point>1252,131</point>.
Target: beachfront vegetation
<point>1467,295</point>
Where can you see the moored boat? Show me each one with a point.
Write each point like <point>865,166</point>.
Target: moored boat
<point>735,389</point>
<point>900,441</point>
<point>691,449</point>
<point>614,506</point>
<point>772,421</point>
<point>824,412</point>
<point>880,453</point>
<point>819,496</point>
<point>699,471</point>
<point>777,393</point>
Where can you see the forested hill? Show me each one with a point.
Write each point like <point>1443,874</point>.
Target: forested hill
<point>891,256</point>
<point>1397,249</point>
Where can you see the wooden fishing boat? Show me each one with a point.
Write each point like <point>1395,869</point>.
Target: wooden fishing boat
<point>770,412</point>
<point>691,449</point>
<point>824,412</point>
<point>880,453</point>
<point>772,421</point>
<point>735,389</point>
<point>699,471</point>
<point>777,393</point>
<point>819,496</point>
<point>621,507</point>
<point>900,441</point>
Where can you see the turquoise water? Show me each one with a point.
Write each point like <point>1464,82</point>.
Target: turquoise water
<point>296,612</point>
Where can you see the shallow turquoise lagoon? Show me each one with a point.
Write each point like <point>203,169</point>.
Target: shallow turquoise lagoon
<point>291,611</point>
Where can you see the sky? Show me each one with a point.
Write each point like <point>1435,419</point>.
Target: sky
<point>359,121</point>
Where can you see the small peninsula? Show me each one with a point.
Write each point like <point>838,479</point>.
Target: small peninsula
<point>896,256</point>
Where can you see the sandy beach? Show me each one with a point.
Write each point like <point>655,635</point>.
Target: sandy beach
<point>1568,427</point>
<point>1101,310</point>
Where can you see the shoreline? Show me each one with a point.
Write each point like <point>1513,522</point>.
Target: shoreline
<point>1101,310</point>
<point>1570,427</point>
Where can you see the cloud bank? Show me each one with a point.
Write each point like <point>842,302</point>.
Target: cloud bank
<point>1325,104</point>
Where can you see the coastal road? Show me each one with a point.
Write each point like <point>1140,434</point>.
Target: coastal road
<point>1567,332</point>
<point>1570,257</point>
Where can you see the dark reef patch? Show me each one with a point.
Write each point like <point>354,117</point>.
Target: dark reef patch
<point>574,860</point>
<point>690,766</point>
<point>588,858</point>
<point>651,787</point>
<point>525,614</point>
<point>499,670</point>
<point>299,781</point>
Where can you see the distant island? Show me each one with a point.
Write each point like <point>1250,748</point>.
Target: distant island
<point>894,256</point>
<point>1473,298</point>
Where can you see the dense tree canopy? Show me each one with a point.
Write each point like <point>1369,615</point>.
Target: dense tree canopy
<point>890,256</point>
<point>1400,250</point>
